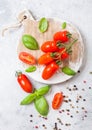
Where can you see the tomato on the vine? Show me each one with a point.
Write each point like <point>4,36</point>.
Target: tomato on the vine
<point>50,46</point>
<point>45,58</point>
<point>62,36</point>
<point>50,70</point>
<point>64,54</point>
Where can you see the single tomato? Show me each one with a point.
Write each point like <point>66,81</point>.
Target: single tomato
<point>62,36</point>
<point>27,58</point>
<point>64,54</point>
<point>24,82</point>
<point>50,46</point>
<point>45,58</point>
<point>50,70</point>
<point>57,100</point>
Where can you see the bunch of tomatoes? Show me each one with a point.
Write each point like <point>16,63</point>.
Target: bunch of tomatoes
<point>55,52</point>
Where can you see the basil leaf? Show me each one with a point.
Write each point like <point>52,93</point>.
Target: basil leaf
<point>29,99</point>
<point>30,42</point>
<point>31,69</point>
<point>63,25</point>
<point>41,105</point>
<point>68,71</point>
<point>43,90</point>
<point>43,25</point>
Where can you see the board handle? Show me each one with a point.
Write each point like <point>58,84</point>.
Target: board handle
<point>24,15</point>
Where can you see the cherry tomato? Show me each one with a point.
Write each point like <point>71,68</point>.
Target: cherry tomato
<point>61,36</point>
<point>27,58</point>
<point>50,70</point>
<point>24,82</point>
<point>64,54</point>
<point>49,46</point>
<point>57,100</point>
<point>45,59</point>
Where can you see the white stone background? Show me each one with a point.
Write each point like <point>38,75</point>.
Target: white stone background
<point>16,117</point>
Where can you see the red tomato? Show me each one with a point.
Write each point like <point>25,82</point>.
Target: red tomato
<point>24,82</point>
<point>49,46</point>
<point>61,36</point>
<point>57,100</point>
<point>50,70</point>
<point>45,59</point>
<point>27,58</point>
<point>64,54</point>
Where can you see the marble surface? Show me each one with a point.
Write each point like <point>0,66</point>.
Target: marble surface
<point>16,117</point>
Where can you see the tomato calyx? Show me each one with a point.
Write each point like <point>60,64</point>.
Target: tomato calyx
<point>58,62</point>
<point>17,73</point>
<point>69,35</point>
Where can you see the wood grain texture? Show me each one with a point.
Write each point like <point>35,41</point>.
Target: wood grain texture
<point>31,27</point>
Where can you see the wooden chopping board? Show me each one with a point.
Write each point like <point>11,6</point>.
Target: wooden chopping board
<point>31,27</point>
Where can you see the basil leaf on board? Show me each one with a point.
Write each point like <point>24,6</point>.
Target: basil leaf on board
<point>63,25</point>
<point>30,42</point>
<point>43,25</point>
<point>68,71</point>
<point>31,69</point>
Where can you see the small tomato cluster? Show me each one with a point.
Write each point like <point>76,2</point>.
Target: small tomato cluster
<point>55,52</point>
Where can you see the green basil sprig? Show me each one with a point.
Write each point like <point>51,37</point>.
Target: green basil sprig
<point>68,71</point>
<point>31,69</point>
<point>40,102</point>
<point>43,25</point>
<point>30,42</point>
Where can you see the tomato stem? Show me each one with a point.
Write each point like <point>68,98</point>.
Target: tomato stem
<point>69,35</point>
<point>68,47</point>
<point>18,73</point>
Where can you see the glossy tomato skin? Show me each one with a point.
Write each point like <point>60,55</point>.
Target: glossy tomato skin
<point>61,36</point>
<point>27,58</point>
<point>57,101</point>
<point>24,83</point>
<point>49,46</point>
<point>49,70</point>
<point>45,59</point>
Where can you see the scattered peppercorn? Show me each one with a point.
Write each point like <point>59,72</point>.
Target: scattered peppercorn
<point>84,99</point>
<point>31,120</point>
<point>71,116</point>
<point>55,128</point>
<point>83,108</point>
<point>89,87</point>
<point>66,101</point>
<point>78,71</point>
<point>36,127</point>
<point>77,101</point>
<point>85,115</point>
<point>69,100</point>
<point>83,89</point>
<point>69,89</point>
<point>67,124</point>
<point>80,96</point>
<point>68,110</point>
<point>84,81</point>
<point>77,111</point>
<point>31,115</point>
